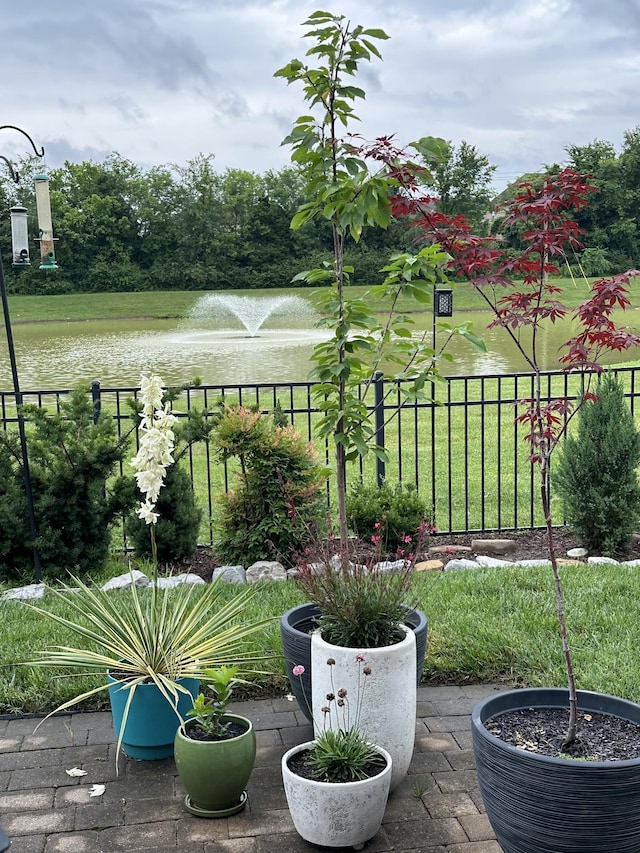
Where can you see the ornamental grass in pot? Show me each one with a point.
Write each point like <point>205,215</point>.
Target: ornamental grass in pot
<point>357,602</point>
<point>215,750</point>
<point>337,785</point>
<point>363,610</point>
<point>545,786</point>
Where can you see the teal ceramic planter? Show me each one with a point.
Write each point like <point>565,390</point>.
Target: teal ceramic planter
<point>152,722</point>
<point>214,773</point>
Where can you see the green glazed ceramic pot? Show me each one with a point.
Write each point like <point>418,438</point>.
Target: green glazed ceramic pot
<point>215,772</point>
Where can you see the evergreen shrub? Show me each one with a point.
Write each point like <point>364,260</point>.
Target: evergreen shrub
<point>387,514</point>
<point>71,459</point>
<point>277,501</point>
<point>596,477</point>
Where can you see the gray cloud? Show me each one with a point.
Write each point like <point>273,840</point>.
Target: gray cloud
<point>162,80</point>
<point>122,41</point>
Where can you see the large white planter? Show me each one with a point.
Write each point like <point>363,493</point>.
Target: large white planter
<point>336,814</point>
<point>388,707</point>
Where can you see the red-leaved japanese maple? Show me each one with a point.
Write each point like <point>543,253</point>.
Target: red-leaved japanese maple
<point>522,294</point>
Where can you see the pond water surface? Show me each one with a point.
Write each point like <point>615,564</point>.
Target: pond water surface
<point>219,351</point>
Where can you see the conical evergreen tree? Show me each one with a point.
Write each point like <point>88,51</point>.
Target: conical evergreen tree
<point>596,478</point>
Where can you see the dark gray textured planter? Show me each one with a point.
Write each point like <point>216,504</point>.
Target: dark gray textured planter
<point>539,804</point>
<point>295,629</point>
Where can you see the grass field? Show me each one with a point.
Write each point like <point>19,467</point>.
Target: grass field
<point>174,304</point>
<point>484,625</point>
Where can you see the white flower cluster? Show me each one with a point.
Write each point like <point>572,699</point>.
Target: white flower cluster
<point>156,445</point>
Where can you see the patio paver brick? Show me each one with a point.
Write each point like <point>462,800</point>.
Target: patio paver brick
<point>436,809</point>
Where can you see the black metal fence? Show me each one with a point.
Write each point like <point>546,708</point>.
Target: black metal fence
<point>465,453</point>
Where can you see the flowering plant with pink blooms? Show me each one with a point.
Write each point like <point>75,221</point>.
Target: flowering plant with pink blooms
<point>341,752</point>
<point>363,600</point>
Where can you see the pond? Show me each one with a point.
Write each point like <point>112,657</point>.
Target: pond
<point>215,345</point>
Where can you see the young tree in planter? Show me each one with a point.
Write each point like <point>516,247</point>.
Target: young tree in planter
<point>522,295</point>
<point>596,473</point>
<point>351,184</point>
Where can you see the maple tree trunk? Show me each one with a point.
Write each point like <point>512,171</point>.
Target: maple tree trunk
<point>566,650</point>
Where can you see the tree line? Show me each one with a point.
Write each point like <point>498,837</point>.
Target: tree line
<point>121,227</point>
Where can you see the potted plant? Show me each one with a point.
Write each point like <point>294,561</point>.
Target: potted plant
<point>546,781</point>
<point>337,785</point>
<point>395,518</point>
<point>215,750</point>
<point>364,609</point>
<point>154,645</point>
<point>351,186</point>
<point>364,590</point>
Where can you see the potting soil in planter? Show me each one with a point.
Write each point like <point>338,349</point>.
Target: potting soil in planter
<point>601,737</point>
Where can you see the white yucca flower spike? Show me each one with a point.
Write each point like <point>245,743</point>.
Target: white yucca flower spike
<point>155,450</point>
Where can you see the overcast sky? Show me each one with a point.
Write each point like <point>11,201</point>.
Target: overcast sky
<point>161,81</point>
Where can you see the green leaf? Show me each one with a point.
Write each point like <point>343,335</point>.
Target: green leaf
<point>432,148</point>
<point>302,217</point>
<point>375,33</point>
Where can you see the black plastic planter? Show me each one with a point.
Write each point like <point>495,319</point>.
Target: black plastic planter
<point>539,804</point>
<point>295,629</point>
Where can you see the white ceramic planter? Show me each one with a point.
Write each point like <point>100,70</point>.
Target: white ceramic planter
<point>388,707</point>
<point>336,814</point>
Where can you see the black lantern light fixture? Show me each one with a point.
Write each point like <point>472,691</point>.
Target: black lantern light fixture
<point>20,254</point>
<point>443,302</point>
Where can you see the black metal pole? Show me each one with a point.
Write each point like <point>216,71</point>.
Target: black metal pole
<point>433,421</point>
<point>33,529</point>
<point>379,421</point>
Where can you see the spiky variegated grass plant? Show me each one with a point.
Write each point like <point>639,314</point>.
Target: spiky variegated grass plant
<point>150,636</point>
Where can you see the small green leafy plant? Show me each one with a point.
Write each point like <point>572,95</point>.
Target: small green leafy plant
<point>388,515</point>
<point>341,752</point>
<point>208,713</point>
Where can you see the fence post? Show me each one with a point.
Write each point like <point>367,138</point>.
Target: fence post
<point>378,385</point>
<point>97,402</point>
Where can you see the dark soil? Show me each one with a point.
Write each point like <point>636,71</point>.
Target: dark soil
<point>196,732</point>
<point>530,544</point>
<point>301,766</point>
<point>601,737</point>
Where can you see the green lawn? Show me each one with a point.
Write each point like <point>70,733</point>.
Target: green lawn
<point>162,304</point>
<point>484,625</point>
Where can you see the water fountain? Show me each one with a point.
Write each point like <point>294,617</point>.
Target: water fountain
<point>251,311</point>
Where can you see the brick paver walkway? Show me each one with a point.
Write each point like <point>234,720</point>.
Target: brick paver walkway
<point>437,808</point>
